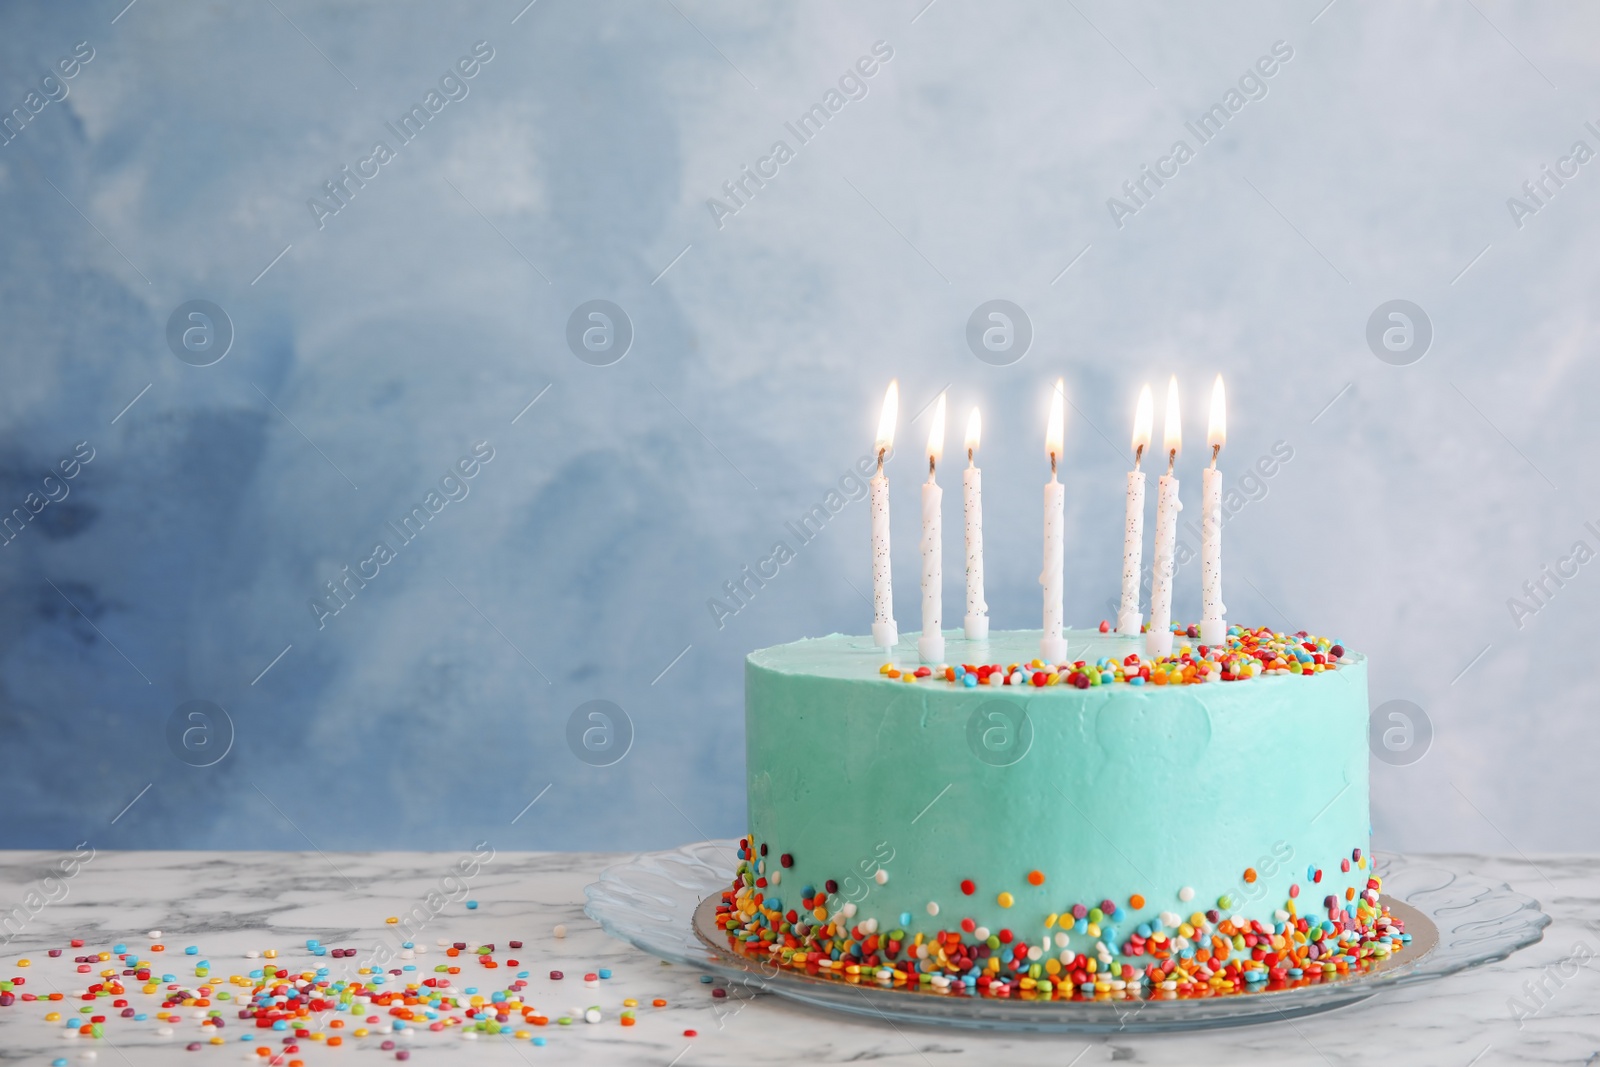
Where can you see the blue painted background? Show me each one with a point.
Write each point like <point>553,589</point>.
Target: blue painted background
<point>975,163</point>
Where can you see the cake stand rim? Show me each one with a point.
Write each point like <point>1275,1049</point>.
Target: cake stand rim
<point>683,886</point>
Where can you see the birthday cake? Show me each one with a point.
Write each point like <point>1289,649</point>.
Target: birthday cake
<point>1195,824</point>
<point>1158,811</point>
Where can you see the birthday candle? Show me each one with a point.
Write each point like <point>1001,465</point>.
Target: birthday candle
<point>977,620</point>
<point>1053,645</point>
<point>1128,617</point>
<point>884,632</point>
<point>1213,629</point>
<point>1158,640</point>
<point>930,646</point>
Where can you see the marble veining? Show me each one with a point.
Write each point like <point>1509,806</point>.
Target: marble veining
<point>231,902</point>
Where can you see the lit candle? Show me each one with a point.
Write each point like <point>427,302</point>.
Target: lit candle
<point>930,646</point>
<point>884,632</point>
<point>1128,617</point>
<point>1053,645</point>
<point>1213,630</point>
<point>1158,640</point>
<point>977,620</point>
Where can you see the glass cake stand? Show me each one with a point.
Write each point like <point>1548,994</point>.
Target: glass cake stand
<point>664,903</point>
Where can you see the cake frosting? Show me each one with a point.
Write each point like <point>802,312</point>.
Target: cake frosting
<point>1108,824</point>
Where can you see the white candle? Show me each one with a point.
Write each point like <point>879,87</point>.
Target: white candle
<point>1158,640</point>
<point>930,646</point>
<point>1128,617</point>
<point>1213,629</point>
<point>977,620</point>
<point>884,632</point>
<point>1053,645</point>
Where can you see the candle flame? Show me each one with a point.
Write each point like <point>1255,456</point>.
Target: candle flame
<point>1172,427</point>
<point>1217,434</point>
<point>974,430</point>
<point>1055,430</point>
<point>1143,420</point>
<point>886,421</point>
<point>936,434</point>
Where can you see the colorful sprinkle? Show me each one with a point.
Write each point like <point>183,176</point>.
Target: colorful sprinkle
<point>296,999</point>
<point>1087,957</point>
<point>1245,654</point>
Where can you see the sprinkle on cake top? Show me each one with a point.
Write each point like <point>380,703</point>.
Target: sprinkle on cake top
<point>1247,654</point>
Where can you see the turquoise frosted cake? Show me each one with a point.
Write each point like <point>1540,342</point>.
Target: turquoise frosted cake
<point>1112,826</point>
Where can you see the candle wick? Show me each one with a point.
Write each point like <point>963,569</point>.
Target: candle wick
<point>930,468</point>
<point>969,458</point>
<point>1214,450</point>
<point>1172,458</point>
<point>1052,464</point>
<point>880,460</point>
<point>1138,455</point>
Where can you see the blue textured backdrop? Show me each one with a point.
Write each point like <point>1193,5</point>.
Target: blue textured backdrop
<point>571,152</point>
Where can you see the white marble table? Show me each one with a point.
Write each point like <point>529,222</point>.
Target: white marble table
<point>229,903</point>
